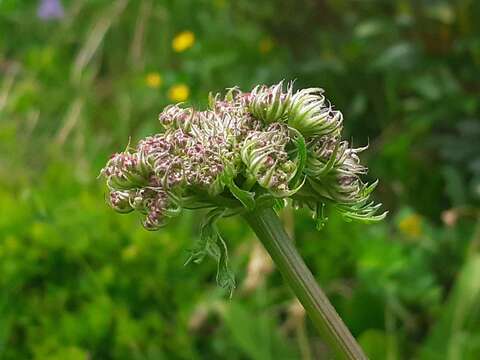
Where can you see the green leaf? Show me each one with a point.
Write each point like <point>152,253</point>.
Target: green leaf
<point>211,100</point>
<point>213,245</point>
<point>225,277</point>
<point>319,216</point>
<point>247,198</point>
<point>379,345</point>
<point>459,323</point>
<point>301,157</point>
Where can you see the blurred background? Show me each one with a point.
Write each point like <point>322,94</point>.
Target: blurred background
<point>78,78</point>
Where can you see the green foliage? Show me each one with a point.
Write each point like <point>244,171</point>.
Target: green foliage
<point>456,332</point>
<point>79,281</point>
<point>256,336</point>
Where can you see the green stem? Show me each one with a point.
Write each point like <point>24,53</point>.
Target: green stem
<point>266,224</point>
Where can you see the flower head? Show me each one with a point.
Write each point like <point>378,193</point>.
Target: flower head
<point>50,10</point>
<point>153,80</point>
<point>183,41</point>
<point>271,142</point>
<point>179,92</point>
<point>247,150</point>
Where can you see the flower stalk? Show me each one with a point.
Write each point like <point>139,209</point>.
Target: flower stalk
<point>269,230</point>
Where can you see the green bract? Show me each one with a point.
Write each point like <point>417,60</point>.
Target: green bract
<point>247,150</point>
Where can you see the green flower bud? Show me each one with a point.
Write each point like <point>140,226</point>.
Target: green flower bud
<point>270,104</point>
<point>309,114</point>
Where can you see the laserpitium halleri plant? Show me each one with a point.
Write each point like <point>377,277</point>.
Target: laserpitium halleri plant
<point>247,154</point>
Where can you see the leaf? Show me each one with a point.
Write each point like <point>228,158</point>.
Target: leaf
<point>203,245</point>
<point>213,245</point>
<point>460,319</point>
<point>301,157</point>
<point>400,56</point>
<point>454,186</point>
<point>247,198</point>
<point>319,216</point>
<point>211,100</point>
<point>225,277</point>
<point>376,343</point>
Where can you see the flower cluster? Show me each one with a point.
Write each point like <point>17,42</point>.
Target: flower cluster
<point>246,151</point>
<point>269,143</point>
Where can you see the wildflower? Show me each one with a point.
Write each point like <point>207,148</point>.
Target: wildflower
<point>411,225</point>
<point>153,80</point>
<point>269,142</point>
<point>265,45</point>
<point>247,150</point>
<point>183,41</point>
<point>50,10</point>
<point>179,92</point>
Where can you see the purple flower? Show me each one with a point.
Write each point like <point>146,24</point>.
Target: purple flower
<point>50,10</point>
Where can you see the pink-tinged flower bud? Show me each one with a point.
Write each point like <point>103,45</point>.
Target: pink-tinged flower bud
<point>126,171</point>
<point>141,199</point>
<point>265,155</point>
<point>156,210</point>
<point>175,117</point>
<point>324,154</point>
<point>120,201</point>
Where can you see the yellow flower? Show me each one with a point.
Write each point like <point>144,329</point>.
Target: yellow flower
<point>183,41</point>
<point>153,80</point>
<point>179,92</point>
<point>411,225</point>
<point>265,45</point>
